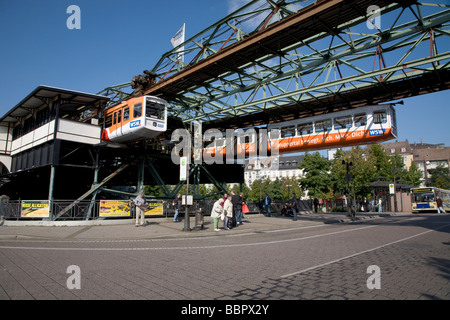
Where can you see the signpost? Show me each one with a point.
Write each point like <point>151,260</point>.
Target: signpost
<point>184,176</point>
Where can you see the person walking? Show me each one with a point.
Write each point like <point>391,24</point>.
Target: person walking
<point>316,204</point>
<point>439,205</point>
<point>266,204</point>
<point>237,207</point>
<point>241,210</point>
<point>380,205</point>
<point>294,206</point>
<point>216,212</point>
<point>140,203</point>
<point>228,213</point>
<point>177,206</point>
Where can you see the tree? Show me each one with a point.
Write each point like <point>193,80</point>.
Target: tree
<point>276,190</point>
<point>290,186</point>
<point>378,157</point>
<point>440,177</point>
<point>317,178</point>
<point>414,175</point>
<point>362,171</point>
<point>338,172</point>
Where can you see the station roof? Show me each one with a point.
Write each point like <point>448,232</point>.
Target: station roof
<point>71,102</point>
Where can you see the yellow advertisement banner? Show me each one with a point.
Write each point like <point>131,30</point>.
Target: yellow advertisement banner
<point>114,208</point>
<point>155,208</point>
<point>35,209</point>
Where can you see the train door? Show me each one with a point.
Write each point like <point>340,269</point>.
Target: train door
<point>125,128</point>
<point>393,121</point>
<point>137,120</point>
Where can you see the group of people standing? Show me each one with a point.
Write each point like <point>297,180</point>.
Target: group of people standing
<point>229,210</point>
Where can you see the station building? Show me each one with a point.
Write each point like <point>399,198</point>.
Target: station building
<point>47,140</point>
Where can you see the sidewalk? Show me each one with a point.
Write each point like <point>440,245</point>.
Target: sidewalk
<point>124,229</point>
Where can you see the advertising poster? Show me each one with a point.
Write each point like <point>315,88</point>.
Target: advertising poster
<point>114,208</point>
<point>155,208</point>
<point>35,209</point>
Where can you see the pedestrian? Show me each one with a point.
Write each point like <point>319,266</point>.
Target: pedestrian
<point>316,204</point>
<point>228,213</point>
<point>177,205</point>
<point>224,198</point>
<point>216,212</point>
<point>3,201</point>
<point>380,207</point>
<point>266,204</point>
<point>236,200</point>
<point>294,206</point>
<point>140,203</point>
<point>439,205</point>
<point>245,209</point>
<point>241,209</point>
<point>365,205</point>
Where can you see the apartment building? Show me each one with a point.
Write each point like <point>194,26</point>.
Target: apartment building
<point>426,156</point>
<point>285,167</point>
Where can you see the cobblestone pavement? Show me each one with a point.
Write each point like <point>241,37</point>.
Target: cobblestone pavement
<point>273,259</point>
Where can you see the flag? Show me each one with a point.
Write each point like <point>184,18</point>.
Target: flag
<point>178,39</point>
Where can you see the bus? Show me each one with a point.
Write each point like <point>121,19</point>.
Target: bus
<point>424,199</point>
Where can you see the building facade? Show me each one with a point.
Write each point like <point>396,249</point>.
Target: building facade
<point>426,156</point>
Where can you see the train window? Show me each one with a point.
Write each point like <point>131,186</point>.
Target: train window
<point>343,122</point>
<point>126,114</point>
<point>380,117</point>
<point>114,120</point>
<point>108,121</point>
<point>324,125</point>
<point>305,128</point>
<point>360,119</point>
<point>155,110</point>
<point>288,132</point>
<point>119,116</point>
<point>137,112</point>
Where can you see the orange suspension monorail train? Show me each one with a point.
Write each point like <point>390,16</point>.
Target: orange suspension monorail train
<point>146,117</point>
<point>143,117</point>
<point>359,126</point>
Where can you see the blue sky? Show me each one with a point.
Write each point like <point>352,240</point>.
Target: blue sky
<point>119,39</point>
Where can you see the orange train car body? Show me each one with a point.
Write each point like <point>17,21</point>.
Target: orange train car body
<point>363,125</point>
<point>134,119</point>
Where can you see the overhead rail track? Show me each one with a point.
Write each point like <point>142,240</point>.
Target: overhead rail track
<point>276,61</point>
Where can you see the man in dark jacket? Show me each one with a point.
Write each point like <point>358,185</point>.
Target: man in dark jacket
<point>294,206</point>
<point>236,200</point>
<point>267,202</point>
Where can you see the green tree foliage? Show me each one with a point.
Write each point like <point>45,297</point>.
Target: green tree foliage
<point>440,177</point>
<point>316,174</point>
<point>414,175</point>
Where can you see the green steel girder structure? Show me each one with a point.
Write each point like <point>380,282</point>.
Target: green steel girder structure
<point>334,64</point>
<point>326,55</point>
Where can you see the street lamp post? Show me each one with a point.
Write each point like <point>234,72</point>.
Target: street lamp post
<point>289,189</point>
<point>394,171</point>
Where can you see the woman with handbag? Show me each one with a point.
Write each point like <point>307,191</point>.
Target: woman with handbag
<point>216,213</point>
